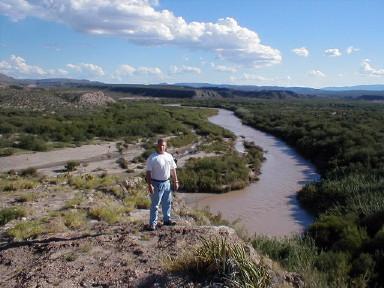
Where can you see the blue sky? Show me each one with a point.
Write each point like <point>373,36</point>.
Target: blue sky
<point>314,43</point>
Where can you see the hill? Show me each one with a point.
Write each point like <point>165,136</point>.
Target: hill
<point>202,90</point>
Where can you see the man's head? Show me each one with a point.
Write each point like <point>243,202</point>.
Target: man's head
<point>161,145</point>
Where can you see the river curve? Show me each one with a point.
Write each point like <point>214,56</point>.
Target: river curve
<point>268,206</point>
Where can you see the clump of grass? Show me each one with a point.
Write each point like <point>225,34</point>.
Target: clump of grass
<point>54,223</point>
<point>109,212</point>
<point>14,184</point>
<point>74,202</point>
<point>219,260</point>
<point>115,190</point>
<point>137,201</point>
<point>137,197</point>
<point>27,197</point>
<point>25,230</point>
<point>70,256</point>
<point>89,181</point>
<point>8,214</point>
<point>205,217</point>
<point>75,219</point>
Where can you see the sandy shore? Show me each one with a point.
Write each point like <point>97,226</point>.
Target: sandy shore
<point>57,157</point>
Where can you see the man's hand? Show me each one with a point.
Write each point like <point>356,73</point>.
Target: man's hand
<point>150,189</point>
<point>176,185</point>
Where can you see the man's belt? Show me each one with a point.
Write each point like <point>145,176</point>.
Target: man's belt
<point>160,181</point>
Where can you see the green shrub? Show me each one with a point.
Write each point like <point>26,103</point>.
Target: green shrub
<point>8,214</point>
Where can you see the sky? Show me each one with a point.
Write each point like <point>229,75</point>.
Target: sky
<point>309,43</point>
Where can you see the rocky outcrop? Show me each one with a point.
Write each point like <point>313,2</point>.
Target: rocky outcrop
<point>95,99</point>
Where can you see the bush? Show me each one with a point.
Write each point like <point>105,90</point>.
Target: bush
<point>32,143</point>
<point>29,172</point>
<point>214,174</point>
<point>337,267</point>
<point>338,233</point>
<point>72,165</point>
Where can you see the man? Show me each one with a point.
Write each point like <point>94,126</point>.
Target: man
<point>160,166</point>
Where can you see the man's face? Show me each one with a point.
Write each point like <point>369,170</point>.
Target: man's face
<point>161,147</point>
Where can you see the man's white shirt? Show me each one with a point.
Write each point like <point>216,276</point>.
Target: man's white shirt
<point>160,165</point>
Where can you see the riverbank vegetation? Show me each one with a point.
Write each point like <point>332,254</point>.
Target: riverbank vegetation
<point>218,174</point>
<point>345,140</point>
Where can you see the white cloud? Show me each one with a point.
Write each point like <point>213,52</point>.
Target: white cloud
<point>139,21</point>
<point>302,51</point>
<point>369,70</point>
<point>149,70</point>
<point>333,52</point>
<point>128,70</point>
<point>245,77</point>
<point>87,68</point>
<point>58,72</point>
<point>125,70</point>
<point>18,66</point>
<point>352,49</point>
<point>185,69</point>
<point>223,68</point>
<point>252,79</point>
<point>316,73</point>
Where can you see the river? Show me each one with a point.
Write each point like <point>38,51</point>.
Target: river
<point>268,206</point>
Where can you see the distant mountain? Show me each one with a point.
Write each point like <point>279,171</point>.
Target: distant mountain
<point>4,79</point>
<point>207,90</point>
<point>50,82</point>
<point>378,87</point>
<point>353,92</point>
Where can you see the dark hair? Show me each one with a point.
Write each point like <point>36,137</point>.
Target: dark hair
<point>161,140</point>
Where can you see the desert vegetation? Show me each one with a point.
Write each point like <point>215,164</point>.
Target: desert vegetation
<point>345,140</point>
<point>36,131</point>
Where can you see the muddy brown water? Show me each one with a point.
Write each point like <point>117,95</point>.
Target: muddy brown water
<point>268,206</point>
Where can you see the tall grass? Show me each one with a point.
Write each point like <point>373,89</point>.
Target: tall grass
<point>218,260</point>
<point>297,254</point>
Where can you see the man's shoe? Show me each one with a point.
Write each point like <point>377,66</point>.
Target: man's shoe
<point>169,223</point>
<point>151,228</point>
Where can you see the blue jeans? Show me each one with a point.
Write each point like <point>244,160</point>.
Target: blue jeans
<point>161,194</point>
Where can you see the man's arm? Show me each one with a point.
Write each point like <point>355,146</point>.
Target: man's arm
<point>149,181</point>
<point>174,179</point>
